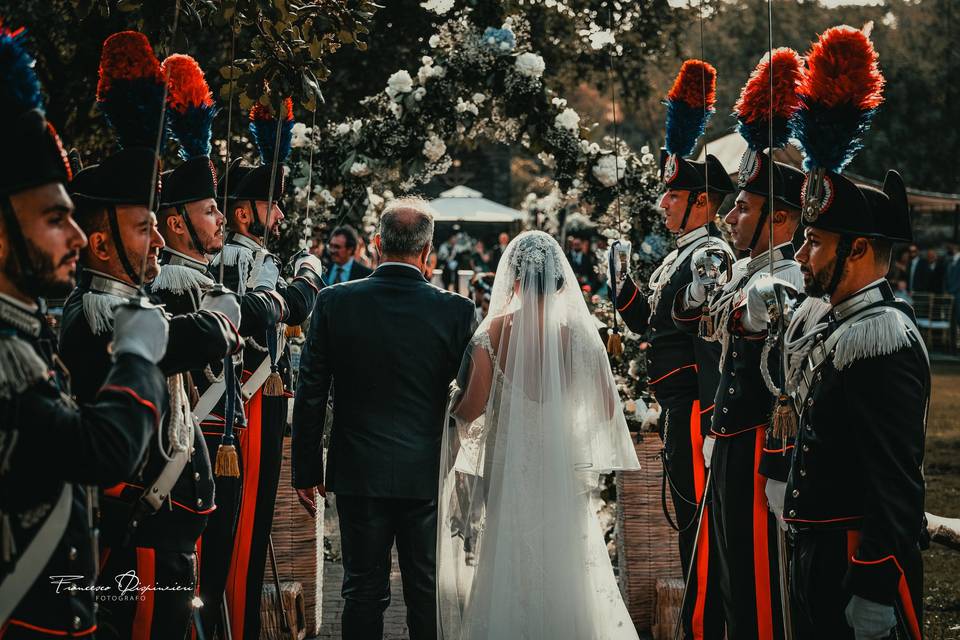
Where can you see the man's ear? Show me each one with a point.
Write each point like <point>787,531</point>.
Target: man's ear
<point>859,249</point>
<point>175,224</point>
<point>98,245</point>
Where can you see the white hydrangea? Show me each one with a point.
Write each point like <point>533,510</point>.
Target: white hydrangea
<point>530,65</point>
<point>645,149</point>
<point>559,103</point>
<point>478,98</point>
<point>357,125</point>
<point>547,159</point>
<point>359,169</point>
<point>647,159</point>
<point>327,197</point>
<point>299,135</point>
<point>568,119</point>
<point>343,128</point>
<point>399,82</point>
<point>434,41</point>
<point>608,170</point>
<point>600,39</point>
<point>439,7</point>
<point>463,107</point>
<point>396,110</point>
<point>418,93</point>
<point>434,148</point>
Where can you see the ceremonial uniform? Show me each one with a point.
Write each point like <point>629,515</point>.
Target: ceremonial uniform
<point>265,374</point>
<point>683,369</point>
<point>54,453</point>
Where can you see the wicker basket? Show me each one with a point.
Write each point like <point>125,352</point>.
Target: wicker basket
<point>646,544</point>
<point>298,542</point>
<point>271,620</point>
<point>669,595</point>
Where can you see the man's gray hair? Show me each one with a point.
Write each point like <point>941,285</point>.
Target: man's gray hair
<point>406,227</point>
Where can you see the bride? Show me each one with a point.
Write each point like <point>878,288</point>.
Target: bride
<point>536,419</point>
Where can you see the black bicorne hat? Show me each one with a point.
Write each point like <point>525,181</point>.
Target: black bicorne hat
<point>691,175</point>
<point>841,206</point>
<point>255,183</point>
<point>36,156</point>
<point>123,178</point>
<point>233,175</point>
<point>891,210</point>
<point>195,179</point>
<point>754,177</point>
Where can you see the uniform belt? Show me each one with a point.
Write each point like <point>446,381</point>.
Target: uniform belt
<point>34,559</point>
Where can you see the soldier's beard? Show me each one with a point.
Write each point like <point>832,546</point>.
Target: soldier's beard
<point>816,284</point>
<point>40,280</point>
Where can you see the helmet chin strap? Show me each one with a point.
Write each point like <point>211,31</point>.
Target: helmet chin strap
<point>691,200</point>
<point>256,227</point>
<point>194,238</point>
<point>843,251</point>
<point>122,250</point>
<point>764,214</point>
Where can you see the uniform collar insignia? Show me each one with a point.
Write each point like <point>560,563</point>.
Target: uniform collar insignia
<point>103,283</point>
<point>874,292</point>
<point>780,252</point>
<point>692,236</point>
<point>244,241</point>
<point>183,260</point>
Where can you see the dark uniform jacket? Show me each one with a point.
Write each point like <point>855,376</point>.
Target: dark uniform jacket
<point>860,446</point>
<point>679,364</point>
<point>389,400</point>
<point>47,440</point>
<point>194,340</point>
<point>743,402</point>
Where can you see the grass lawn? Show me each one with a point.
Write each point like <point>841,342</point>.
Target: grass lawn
<point>942,466</point>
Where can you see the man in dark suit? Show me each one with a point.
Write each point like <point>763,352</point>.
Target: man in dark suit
<point>342,246</point>
<point>384,455</point>
<point>929,274</point>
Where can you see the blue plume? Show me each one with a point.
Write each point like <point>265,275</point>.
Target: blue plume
<point>134,110</point>
<point>193,129</point>
<point>756,134</point>
<point>830,136</point>
<point>685,125</point>
<point>264,133</point>
<point>20,88</point>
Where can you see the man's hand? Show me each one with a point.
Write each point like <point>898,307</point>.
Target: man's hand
<point>225,302</point>
<point>696,291</point>
<point>776,492</point>
<point>268,273</point>
<point>307,260</point>
<point>870,620</point>
<point>140,328</point>
<point>307,498</point>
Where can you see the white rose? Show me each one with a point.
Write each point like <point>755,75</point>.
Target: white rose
<point>463,107</point>
<point>434,148</point>
<point>357,125</point>
<point>343,129</point>
<point>439,7</point>
<point>478,98</point>
<point>608,170</point>
<point>559,103</point>
<point>426,61</point>
<point>424,73</point>
<point>599,39</point>
<point>327,197</point>
<point>645,149</point>
<point>396,110</point>
<point>530,65</point>
<point>359,169</point>
<point>434,41</point>
<point>438,71</point>
<point>399,82</point>
<point>647,158</point>
<point>418,93</point>
<point>299,135</point>
<point>568,119</point>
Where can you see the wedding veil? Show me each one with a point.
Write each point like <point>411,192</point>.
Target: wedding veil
<point>534,419</point>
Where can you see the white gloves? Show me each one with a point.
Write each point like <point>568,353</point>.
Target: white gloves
<point>708,443</point>
<point>268,273</point>
<point>762,295</point>
<point>621,253</point>
<point>140,328</point>
<point>776,491</point>
<point>870,620</point>
<point>224,302</point>
<point>696,291</point>
<point>310,261</point>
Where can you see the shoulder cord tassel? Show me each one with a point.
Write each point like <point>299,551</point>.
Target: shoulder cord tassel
<point>273,387</point>
<point>227,463</point>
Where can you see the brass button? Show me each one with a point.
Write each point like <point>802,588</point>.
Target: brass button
<point>796,493</point>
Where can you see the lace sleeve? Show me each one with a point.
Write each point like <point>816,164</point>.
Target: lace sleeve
<point>479,379</point>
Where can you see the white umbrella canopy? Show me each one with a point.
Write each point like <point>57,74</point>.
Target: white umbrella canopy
<point>463,204</point>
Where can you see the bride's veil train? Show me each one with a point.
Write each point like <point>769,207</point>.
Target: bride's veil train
<point>535,420</point>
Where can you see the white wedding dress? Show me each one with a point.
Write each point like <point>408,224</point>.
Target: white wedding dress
<point>520,552</point>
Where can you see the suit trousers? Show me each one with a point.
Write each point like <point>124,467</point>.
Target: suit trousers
<point>686,477</point>
<point>368,529</point>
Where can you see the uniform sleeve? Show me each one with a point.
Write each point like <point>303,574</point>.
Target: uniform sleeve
<point>310,404</point>
<point>300,295</point>
<point>632,306</point>
<point>260,310</point>
<point>101,442</point>
<point>686,320</point>
<point>197,339</point>
<point>888,431</point>
<point>707,356</point>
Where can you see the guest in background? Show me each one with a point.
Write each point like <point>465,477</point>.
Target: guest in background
<point>929,274</point>
<point>361,254</point>
<point>900,291</point>
<point>953,288</point>
<point>480,260</point>
<point>448,256</point>
<point>583,262</point>
<point>914,261</point>
<point>900,269</point>
<point>502,241</point>
<point>342,248</point>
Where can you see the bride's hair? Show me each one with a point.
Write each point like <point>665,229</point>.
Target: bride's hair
<point>534,251</point>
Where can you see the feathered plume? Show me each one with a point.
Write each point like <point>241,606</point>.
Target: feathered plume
<point>753,107</point>
<point>20,90</point>
<point>190,107</point>
<point>690,105</point>
<point>264,130</point>
<point>839,94</point>
<point>130,91</point>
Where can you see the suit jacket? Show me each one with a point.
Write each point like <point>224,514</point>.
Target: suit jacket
<point>953,277</point>
<point>389,345</point>
<point>929,279</point>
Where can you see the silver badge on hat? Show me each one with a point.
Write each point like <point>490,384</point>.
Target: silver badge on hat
<point>750,164</point>
<point>817,195</point>
<point>670,168</point>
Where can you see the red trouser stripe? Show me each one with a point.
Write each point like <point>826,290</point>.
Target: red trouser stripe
<point>143,618</point>
<point>702,543</point>
<point>240,561</point>
<point>903,589</point>
<point>761,549</point>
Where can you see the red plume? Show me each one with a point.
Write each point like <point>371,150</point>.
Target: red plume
<point>127,56</point>
<point>695,78</point>
<point>842,68</point>
<point>260,112</point>
<point>187,85</point>
<point>754,102</point>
